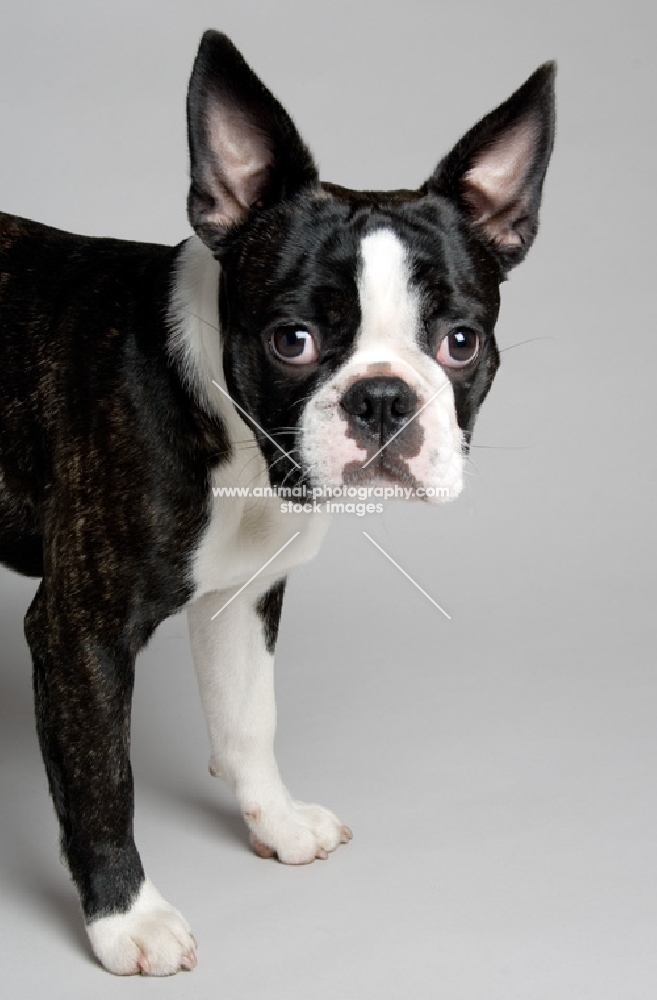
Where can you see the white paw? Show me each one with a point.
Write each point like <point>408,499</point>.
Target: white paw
<point>296,833</point>
<point>151,938</point>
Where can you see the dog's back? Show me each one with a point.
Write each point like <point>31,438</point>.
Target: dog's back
<point>27,297</point>
<point>72,331</point>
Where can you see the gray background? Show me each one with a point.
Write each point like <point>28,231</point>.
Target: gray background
<point>497,769</point>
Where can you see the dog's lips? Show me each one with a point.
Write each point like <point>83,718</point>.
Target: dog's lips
<point>372,477</point>
<point>380,472</point>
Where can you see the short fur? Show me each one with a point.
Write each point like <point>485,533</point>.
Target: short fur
<point>115,436</point>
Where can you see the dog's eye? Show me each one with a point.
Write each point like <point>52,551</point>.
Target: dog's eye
<point>458,348</point>
<point>293,345</point>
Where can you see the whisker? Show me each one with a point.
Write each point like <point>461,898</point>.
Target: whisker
<point>276,461</point>
<point>503,447</point>
<point>530,340</point>
<point>268,467</point>
<point>289,473</point>
<point>474,465</point>
<point>207,322</point>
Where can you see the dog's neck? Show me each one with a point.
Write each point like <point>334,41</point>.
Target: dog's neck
<point>195,339</point>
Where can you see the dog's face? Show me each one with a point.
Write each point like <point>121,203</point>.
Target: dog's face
<point>359,326</point>
<point>347,318</point>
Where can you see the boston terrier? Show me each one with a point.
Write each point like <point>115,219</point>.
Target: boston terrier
<point>307,335</point>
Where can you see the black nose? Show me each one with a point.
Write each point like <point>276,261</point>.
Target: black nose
<point>380,406</point>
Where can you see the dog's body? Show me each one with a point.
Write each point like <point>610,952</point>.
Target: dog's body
<point>356,346</point>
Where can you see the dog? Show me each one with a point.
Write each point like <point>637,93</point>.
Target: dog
<point>306,336</point>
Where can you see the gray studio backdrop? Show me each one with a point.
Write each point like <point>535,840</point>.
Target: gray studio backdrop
<point>497,769</point>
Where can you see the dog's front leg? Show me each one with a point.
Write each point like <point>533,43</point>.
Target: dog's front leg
<point>233,655</point>
<point>83,679</point>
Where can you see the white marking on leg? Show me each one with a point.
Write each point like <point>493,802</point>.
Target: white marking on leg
<point>151,938</point>
<point>236,680</point>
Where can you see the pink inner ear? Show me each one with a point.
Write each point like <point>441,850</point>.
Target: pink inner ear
<point>238,171</point>
<point>495,186</point>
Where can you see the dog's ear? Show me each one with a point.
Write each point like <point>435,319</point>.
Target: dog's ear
<point>245,152</point>
<point>495,173</point>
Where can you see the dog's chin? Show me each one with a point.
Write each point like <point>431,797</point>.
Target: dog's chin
<point>380,481</point>
<point>377,476</point>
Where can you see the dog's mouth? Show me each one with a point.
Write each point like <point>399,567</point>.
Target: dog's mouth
<point>382,470</point>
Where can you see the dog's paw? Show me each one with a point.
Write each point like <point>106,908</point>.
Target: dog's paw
<point>296,834</point>
<point>152,938</point>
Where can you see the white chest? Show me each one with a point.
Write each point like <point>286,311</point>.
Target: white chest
<point>244,532</point>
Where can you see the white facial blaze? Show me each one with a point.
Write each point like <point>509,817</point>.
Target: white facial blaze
<point>388,305</point>
<point>389,337</point>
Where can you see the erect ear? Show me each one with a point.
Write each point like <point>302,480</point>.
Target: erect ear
<point>244,150</point>
<point>495,173</point>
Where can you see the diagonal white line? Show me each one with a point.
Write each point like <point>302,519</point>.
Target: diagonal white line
<point>245,585</point>
<point>376,544</point>
<point>403,426</point>
<point>255,424</point>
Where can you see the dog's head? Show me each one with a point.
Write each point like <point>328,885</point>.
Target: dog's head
<point>358,327</point>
